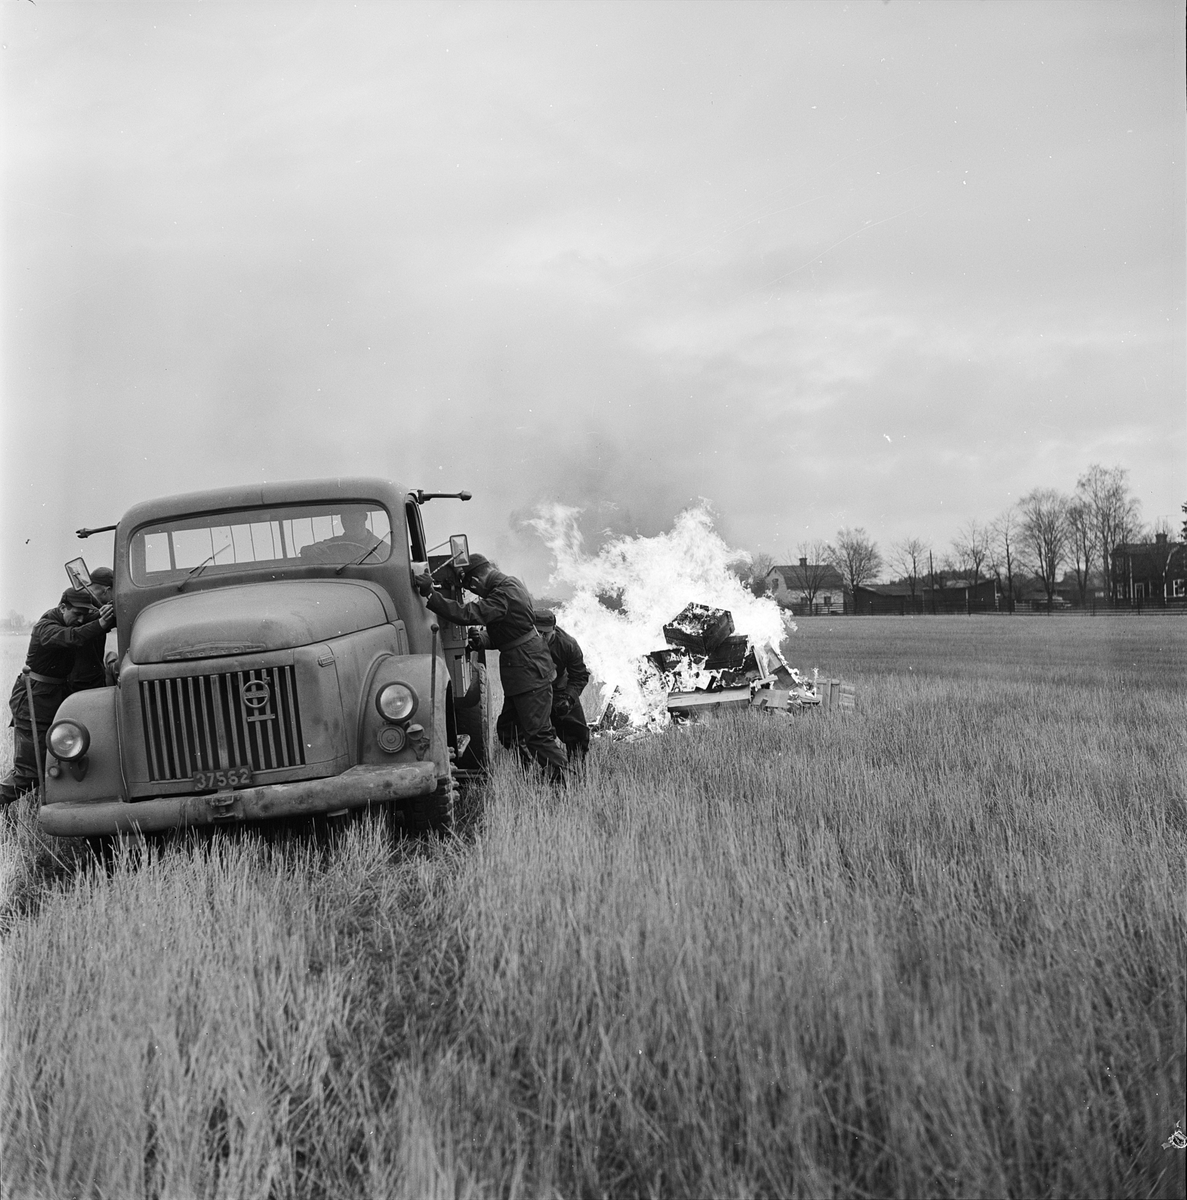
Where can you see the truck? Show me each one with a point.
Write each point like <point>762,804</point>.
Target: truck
<point>274,660</point>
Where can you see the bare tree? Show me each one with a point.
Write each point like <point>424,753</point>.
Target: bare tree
<point>907,557</point>
<point>1082,543</point>
<point>856,556</point>
<point>1114,511</point>
<point>971,547</point>
<point>1044,528</point>
<point>943,571</point>
<point>753,572</point>
<point>815,562</point>
<point>1005,549</point>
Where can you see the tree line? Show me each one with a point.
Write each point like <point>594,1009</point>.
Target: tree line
<point>1044,533</point>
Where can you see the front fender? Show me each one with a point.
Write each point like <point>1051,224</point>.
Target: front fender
<point>415,670</point>
<point>102,778</point>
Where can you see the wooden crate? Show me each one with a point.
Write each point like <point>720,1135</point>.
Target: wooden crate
<point>836,695</point>
<point>699,629</point>
<point>730,655</point>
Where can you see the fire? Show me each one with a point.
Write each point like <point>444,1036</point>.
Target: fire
<point>653,579</point>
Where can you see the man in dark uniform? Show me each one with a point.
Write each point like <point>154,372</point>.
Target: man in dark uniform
<point>52,647</point>
<point>504,606</point>
<point>90,670</point>
<point>568,717</point>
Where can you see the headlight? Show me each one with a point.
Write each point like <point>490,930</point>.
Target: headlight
<point>396,702</point>
<point>68,740</point>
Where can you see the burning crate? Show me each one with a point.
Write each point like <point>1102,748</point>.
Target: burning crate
<point>730,655</point>
<point>699,629</point>
<point>668,661</point>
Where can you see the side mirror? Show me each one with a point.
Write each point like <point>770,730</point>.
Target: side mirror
<point>459,550</point>
<point>79,574</point>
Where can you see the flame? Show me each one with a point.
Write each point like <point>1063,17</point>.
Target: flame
<point>653,578</point>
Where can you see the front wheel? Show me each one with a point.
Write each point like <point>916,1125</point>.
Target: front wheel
<point>475,719</point>
<point>434,813</point>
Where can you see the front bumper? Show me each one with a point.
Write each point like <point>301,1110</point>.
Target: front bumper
<point>354,788</point>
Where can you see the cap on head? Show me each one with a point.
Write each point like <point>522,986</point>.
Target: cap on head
<point>103,577</point>
<point>477,564</point>
<point>77,598</point>
<point>545,618</point>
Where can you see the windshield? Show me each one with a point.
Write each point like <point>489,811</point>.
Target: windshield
<point>261,537</point>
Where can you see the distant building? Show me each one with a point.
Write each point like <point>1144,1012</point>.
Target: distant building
<point>954,596</point>
<point>808,588</point>
<point>876,599</point>
<point>1150,572</point>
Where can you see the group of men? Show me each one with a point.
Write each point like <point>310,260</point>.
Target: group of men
<point>65,655</point>
<point>541,667</point>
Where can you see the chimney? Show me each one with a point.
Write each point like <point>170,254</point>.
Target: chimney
<point>803,562</point>
<point>1160,539</point>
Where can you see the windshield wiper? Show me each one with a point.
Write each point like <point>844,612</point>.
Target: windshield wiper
<point>202,565</point>
<point>363,558</point>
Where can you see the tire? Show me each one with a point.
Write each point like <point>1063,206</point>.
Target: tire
<point>472,713</point>
<point>434,813</point>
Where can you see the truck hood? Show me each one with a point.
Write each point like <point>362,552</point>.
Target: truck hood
<point>251,618</point>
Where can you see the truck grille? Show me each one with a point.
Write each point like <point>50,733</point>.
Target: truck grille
<point>212,722</point>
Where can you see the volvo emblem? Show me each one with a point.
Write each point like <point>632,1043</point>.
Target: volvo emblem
<point>255,693</point>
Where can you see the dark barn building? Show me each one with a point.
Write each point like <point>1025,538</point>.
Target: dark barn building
<point>956,596</point>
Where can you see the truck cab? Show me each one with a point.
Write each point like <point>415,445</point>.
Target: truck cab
<point>275,660</point>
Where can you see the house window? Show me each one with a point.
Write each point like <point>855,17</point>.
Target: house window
<point>828,601</point>
<point>1179,588</point>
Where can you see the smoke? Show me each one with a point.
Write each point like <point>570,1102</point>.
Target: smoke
<point>649,580</point>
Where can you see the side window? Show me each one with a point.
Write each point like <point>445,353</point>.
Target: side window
<point>417,547</point>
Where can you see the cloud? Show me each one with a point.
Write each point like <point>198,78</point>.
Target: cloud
<point>592,254</point>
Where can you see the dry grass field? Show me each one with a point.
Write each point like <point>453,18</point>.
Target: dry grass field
<point>932,947</point>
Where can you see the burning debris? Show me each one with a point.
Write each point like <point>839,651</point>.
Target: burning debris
<point>651,668</point>
<point>707,667</point>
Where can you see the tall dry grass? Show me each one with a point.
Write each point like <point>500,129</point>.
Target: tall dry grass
<point>933,947</point>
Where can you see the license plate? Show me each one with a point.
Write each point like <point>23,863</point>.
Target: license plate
<point>233,777</point>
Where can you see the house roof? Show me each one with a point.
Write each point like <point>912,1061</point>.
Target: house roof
<point>825,575</point>
<point>898,588</point>
<point>1137,549</point>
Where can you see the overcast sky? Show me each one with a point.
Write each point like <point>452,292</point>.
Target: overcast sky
<point>877,264</point>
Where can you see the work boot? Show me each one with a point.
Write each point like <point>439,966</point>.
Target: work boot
<point>12,788</point>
